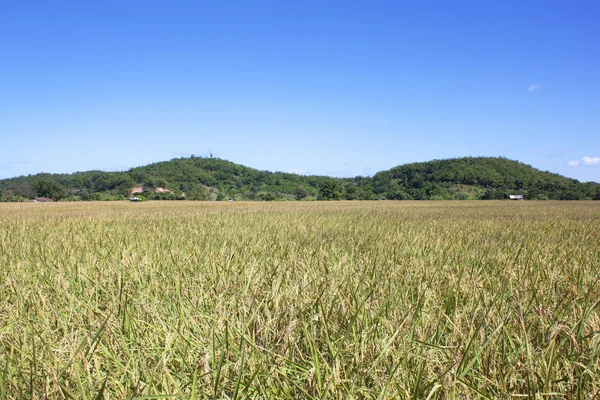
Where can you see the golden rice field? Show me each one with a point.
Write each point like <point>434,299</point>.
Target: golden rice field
<point>339,300</point>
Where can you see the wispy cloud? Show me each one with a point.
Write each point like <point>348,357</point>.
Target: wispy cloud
<point>533,87</point>
<point>591,161</point>
<point>573,164</point>
<point>18,162</point>
<point>9,164</point>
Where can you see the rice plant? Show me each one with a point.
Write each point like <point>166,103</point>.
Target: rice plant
<point>378,300</point>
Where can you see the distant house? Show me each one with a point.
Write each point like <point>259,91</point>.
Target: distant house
<point>516,197</point>
<point>41,200</point>
<point>134,199</point>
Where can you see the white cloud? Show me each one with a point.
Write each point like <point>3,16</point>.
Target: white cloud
<point>573,164</point>
<point>591,161</point>
<point>535,86</point>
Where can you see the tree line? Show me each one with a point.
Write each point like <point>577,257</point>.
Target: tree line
<point>198,178</point>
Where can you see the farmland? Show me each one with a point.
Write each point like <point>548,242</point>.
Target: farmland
<point>453,299</point>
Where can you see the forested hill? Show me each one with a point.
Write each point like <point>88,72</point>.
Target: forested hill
<point>198,178</point>
<point>481,177</point>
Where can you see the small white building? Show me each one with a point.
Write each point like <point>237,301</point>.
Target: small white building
<point>516,196</point>
<point>134,199</point>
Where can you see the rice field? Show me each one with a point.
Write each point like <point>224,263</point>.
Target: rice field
<point>338,300</point>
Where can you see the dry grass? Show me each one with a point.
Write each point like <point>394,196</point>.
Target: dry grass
<point>300,300</point>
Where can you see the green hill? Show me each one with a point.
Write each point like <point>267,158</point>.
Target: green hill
<point>478,177</point>
<point>194,178</point>
<point>198,178</point>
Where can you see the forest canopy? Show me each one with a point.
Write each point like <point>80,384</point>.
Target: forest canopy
<point>198,178</point>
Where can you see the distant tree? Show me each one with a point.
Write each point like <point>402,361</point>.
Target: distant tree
<point>329,190</point>
<point>85,195</point>
<point>24,190</point>
<point>398,194</point>
<point>572,195</point>
<point>10,196</point>
<point>469,177</point>
<point>350,191</point>
<point>434,191</point>
<point>365,194</point>
<point>301,194</point>
<point>268,197</point>
<point>46,187</point>
<point>489,194</point>
<point>161,182</point>
<point>197,193</point>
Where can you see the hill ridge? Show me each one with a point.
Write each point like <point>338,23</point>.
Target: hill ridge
<point>210,178</point>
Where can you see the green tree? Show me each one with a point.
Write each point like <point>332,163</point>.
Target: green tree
<point>398,194</point>
<point>301,194</point>
<point>572,195</point>
<point>329,190</point>
<point>45,187</point>
<point>268,197</point>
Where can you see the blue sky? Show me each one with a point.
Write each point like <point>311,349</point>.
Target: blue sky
<point>341,88</point>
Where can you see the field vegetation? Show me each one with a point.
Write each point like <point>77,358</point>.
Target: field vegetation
<point>378,300</point>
